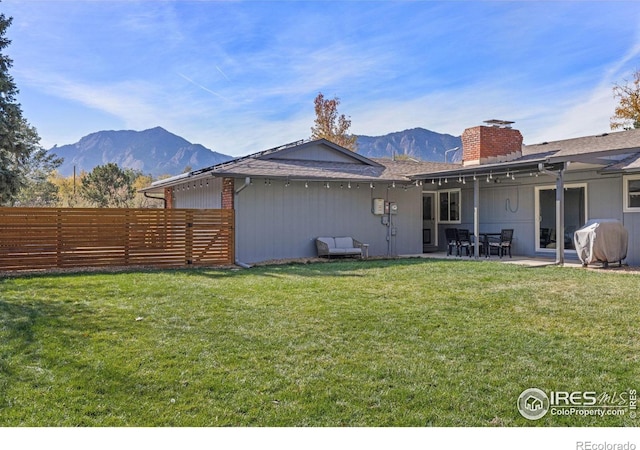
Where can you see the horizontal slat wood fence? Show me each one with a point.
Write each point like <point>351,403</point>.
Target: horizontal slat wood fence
<point>43,238</point>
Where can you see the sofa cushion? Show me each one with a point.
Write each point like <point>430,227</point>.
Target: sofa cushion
<point>344,242</point>
<point>331,243</point>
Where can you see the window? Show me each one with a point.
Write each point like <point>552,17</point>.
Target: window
<point>450,206</point>
<point>631,188</point>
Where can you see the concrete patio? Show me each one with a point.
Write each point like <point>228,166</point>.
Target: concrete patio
<point>520,260</point>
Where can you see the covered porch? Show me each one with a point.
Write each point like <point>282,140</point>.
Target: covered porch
<point>544,192</point>
<point>527,195</point>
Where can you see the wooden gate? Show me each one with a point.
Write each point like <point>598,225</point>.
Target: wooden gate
<point>43,238</point>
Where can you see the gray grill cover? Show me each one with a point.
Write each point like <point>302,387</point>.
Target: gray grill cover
<point>603,240</point>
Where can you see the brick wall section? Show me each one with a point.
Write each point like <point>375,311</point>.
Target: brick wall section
<point>168,196</point>
<point>483,143</point>
<point>228,189</point>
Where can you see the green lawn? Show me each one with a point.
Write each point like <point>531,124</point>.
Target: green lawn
<point>353,343</point>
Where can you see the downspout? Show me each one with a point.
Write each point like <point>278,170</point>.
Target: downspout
<point>156,198</point>
<point>247,183</point>
<point>559,175</point>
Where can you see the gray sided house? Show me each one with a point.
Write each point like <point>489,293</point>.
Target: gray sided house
<point>286,197</point>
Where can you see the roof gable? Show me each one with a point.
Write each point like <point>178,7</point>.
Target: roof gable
<point>320,150</point>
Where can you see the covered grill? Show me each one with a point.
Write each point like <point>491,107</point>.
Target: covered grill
<point>601,240</point>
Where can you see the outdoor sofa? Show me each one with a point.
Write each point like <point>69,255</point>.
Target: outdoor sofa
<point>338,246</point>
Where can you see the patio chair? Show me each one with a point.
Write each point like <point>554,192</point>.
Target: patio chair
<point>545,237</point>
<point>464,241</point>
<point>451,234</point>
<point>503,244</point>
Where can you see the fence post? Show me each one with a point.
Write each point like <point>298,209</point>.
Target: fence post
<point>59,238</point>
<point>127,232</point>
<point>189,238</point>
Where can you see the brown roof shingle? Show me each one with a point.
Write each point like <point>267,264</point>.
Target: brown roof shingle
<point>619,141</point>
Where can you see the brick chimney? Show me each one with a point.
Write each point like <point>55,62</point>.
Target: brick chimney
<point>491,143</point>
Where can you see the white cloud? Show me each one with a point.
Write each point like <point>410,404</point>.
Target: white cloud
<point>212,79</point>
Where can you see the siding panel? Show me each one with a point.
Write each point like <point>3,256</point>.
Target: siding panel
<point>200,194</point>
<point>279,221</point>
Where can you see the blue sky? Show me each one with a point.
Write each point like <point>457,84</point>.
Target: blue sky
<point>241,76</point>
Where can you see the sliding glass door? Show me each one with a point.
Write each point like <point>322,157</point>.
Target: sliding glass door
<point>575,215</point>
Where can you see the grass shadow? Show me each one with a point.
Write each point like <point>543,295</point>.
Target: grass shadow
<point>310,268</point>
<point>24,323</point>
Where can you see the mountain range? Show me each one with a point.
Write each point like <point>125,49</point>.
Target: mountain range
<point>418,143</point>
<point>158,152</point>
<point>155,151</point>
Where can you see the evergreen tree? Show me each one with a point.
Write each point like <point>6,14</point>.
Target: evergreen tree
<point>109,186</point>
<point>18,140</point>
<point>38,188</point>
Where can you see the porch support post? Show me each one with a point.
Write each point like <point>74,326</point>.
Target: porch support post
<point>559,209</point>
<point>476,218</point>
<point>560,217</point>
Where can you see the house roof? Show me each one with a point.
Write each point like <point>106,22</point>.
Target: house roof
<point>617,151</point>
<point>297,161</point>
<point>613,152</point>
<point>383,170</point>
<point>629,164</point>
<point>602,147</point>
<point>610,143</point>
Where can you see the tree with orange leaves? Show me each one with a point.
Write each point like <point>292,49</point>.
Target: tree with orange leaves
<point>627,113</point>
<point>331,126</point>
